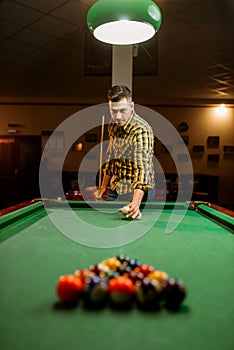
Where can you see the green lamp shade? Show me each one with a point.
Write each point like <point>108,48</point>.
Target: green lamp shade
<point>124,22</point>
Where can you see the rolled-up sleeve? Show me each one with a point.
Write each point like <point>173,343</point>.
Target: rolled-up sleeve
<point>143,145</point>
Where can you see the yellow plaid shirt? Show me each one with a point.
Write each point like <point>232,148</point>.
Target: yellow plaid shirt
<point>129,157</point>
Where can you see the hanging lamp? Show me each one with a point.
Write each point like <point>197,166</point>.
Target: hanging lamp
<point>124,22</point>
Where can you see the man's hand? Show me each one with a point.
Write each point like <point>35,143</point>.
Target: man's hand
<point>100,192</point>
<point>128,210</point>
<point>133,211</point>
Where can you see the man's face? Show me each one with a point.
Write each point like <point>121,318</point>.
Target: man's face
<point>121,111</point>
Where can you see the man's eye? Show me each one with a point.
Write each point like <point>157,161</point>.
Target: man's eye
<point>118,111</point>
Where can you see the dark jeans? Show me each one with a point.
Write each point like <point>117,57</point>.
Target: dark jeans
<point>114,196</point>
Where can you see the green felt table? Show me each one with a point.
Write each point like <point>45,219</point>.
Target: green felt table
<point>35,251</point>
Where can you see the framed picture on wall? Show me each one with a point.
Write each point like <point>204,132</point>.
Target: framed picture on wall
<point>198,148</point>
<point>228,152</point>
<point>228,149</point>
<point>213,141</point>
<point>214,158</point>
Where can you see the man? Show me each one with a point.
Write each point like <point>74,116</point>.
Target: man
<point>129,171</point>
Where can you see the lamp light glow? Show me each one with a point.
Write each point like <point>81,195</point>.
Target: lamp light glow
<point>221,110</point>
<point>124,22</point>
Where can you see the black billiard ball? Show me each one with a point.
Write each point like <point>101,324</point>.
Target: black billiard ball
<point>136,276</point>
<point>148,294</point>
<point>133,263</point>
<point>95,291</point>
<point>124,269</point>
<point>174,292</point>
<point>123,258</point>
<point>109,274</point>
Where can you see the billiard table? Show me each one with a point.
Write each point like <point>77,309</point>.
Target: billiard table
<point>46,239</point>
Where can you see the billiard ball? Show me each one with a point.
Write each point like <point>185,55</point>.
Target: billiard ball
<point>69,289</point>
<point>106,272</point>
<point>99,268</point>
<point>121,291</point>
<point>95,291</point>
<point>125,210</point>
<point>148,293</point>
<point>136,276</point>
<point>173,292</point>
<point>124,269</point>
<point>133,263</point>
<point>108,275</point>
<point>158,275</point>
<point>84,273</point>
<point>112,263</point>
<point>139,216</point>
<point>123,258</point>
<point>145,269</point>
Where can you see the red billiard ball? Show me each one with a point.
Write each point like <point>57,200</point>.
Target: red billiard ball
<point>69,289</point>
<point>145,269</point>
<point>82,274</point>
<point>121,290</point>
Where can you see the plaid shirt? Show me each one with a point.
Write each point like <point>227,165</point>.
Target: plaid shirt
<point>129,158</point>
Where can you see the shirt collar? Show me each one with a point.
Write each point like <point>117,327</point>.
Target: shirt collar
<point>127,126</point>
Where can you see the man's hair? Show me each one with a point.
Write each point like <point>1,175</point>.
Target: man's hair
<point>117,92</point>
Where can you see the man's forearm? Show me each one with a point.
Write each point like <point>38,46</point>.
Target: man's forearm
<point>105,181</point>
<point>137,196</point>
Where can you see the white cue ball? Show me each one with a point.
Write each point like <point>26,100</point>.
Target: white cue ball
<point>139,217</point>
<point>125,210</point>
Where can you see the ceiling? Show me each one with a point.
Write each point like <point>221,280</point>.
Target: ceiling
<point>43,54</point>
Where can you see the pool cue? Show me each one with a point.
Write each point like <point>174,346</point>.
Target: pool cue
<point>101,153</point>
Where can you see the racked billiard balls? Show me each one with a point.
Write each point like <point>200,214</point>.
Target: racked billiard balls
<point>148,293</point>
<point>95,291</point>
<point>174,292</point>
<point>121,291</point>
<point>69,289</point>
